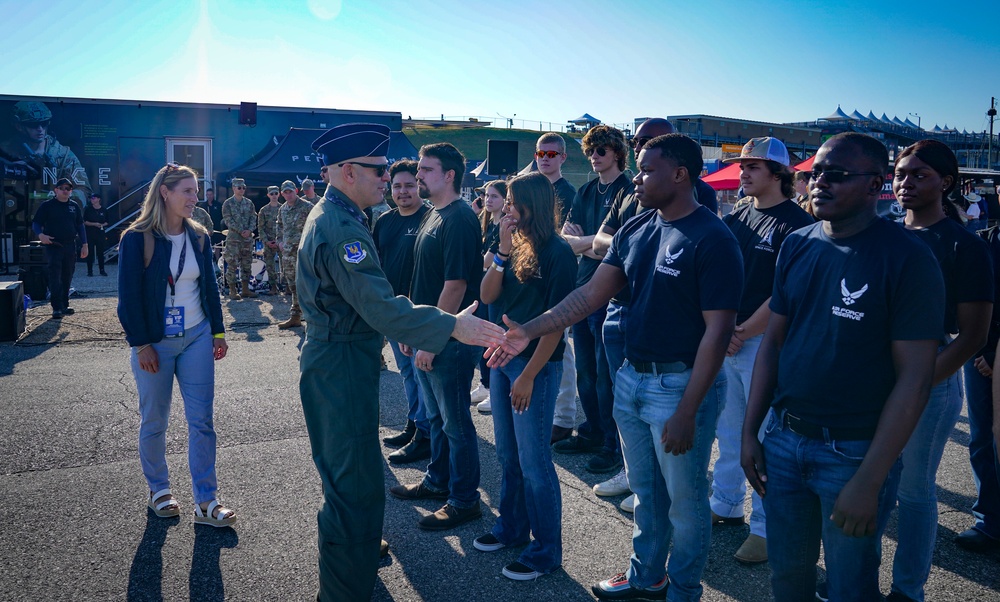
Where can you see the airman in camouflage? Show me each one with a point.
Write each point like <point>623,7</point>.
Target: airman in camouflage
<point>202,217</point>
<point>291,220</point>
<point>267,224</point>
<point>241,218</point>
<point>39,149</point>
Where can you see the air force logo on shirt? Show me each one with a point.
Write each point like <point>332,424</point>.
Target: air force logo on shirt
<point>355,252</point>
<point>849,298</point>
<point>668,259</point>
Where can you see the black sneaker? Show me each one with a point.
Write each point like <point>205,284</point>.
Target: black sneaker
<point>449,516</point>
<point>57,314</point>
<point>416,492</point>
<point>520,572</point>
<point>576,445</point>
<point>90,274</point>
<point>68,311</point>
<point>898,597</point>
<point>488,543</point>
<point>403,437</point>
<point>605,461</point>
<point>103,273</point>
<point>618,588</point>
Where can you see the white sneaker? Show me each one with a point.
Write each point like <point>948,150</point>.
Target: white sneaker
<point>479,394</point>
<point>484,406</point>
<point>616,485</point>
<point>628,504</point>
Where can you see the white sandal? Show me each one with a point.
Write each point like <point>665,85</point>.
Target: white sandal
<point>165,509</point>
<point>224,518</point>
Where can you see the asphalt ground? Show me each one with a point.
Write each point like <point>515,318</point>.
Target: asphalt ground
<point>74,524</point>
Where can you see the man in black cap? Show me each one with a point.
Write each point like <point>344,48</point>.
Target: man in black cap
<point>344,295</point>
<point>95,218</point>
<point>58,223</point>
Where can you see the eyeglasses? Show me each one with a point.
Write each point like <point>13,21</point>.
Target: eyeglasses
<point>65,188</point>
<point>323,170</point>
<point>638,143</point>
<point>379,169</point>
<point>600,150</point>
<point>550,154</point>
<point>272,193</point>
<point>836,176</point>
<point>38,124</point>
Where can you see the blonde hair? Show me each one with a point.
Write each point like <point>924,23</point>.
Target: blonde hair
<point>153,217</point>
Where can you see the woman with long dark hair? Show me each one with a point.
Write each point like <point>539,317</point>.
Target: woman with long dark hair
<point>533,270</point>
<point>169,307</point>
<point>925,174</point>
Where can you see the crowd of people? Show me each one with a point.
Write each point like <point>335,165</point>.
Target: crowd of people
<point>686,329</point>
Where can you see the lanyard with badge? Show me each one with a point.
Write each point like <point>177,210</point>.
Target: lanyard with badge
<point>173,317</point>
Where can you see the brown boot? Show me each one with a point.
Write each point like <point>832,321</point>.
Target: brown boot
<point>234,293</point>
<point>292,321</point>
<point>246,292</point>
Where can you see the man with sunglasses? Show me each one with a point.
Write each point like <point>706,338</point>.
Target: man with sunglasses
<point>241,217</point>
<point>348,305</point>
<point>607,151</point>
<point>289,224</point>
<point>550,154</point>
<point>58,223</point>
<point>845,364</point>
<point>36,146</point>
<point>267,232</point>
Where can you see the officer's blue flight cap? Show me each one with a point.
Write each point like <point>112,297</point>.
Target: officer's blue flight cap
<point>351,141</point>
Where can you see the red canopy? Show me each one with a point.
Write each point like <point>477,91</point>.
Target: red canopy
<point>806,165</point>
<point>727,178</point>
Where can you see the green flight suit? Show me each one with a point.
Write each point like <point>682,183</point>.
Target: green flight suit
<point>344,296</point>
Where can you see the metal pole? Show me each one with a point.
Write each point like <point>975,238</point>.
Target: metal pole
<point>992,113</point>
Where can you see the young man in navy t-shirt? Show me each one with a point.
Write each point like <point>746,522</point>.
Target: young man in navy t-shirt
<point>686,275</point>
<point>846,363</point>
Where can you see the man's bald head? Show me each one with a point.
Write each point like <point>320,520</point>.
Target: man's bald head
<point>651,128</point>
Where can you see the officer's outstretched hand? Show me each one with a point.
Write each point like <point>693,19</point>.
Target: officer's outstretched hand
<point>514,342</point>
<point>472,331</point>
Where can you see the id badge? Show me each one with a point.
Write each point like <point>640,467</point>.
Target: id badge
<point>173,322</point>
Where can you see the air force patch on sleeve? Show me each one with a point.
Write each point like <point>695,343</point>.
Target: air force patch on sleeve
<point>355,252</point>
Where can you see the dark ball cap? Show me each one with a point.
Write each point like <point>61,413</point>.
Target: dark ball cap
<point>352,140</point>
<point>65,182</point>
<point>94,195</point>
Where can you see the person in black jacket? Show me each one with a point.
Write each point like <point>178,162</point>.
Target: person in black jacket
<point>95,218</point>
<point>169,307</point>
<point>58,223</point>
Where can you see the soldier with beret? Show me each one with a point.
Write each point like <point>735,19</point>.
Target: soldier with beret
<point>345,297</point>
<point>291,219</point>
<point>241,217</point>
<point>267,224</point>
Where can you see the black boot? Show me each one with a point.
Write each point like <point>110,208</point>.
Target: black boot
<point>402,438</point>
<point>419,448</point>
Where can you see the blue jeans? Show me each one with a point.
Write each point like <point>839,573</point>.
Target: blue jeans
<point>804,478</point>
<point>190,359</point>
<point>671,491</point>
<point>917,495</point>
<point>613,335</point>
<point>414,400</point>
<point>593,381</point>
<point>982,452</point>
<point>729,483</point>
<point>454,465</point>
<point>529,490</point>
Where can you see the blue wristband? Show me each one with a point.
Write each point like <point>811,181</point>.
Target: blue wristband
<point>498,261</point>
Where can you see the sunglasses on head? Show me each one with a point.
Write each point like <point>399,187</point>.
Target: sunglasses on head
<point>836,176</point>
<point>379,169</point>
<point>600,150</point>
<point>550,154</point>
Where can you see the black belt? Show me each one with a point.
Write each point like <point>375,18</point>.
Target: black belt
<point>658,367</point>
<point>815,431</point>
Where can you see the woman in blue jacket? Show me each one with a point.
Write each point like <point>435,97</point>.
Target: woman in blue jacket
<point>169,306</point>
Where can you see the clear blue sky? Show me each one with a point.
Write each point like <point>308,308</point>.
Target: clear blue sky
<point>543,60</point>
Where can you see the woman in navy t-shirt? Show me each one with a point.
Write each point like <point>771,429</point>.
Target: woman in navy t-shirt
<point>533,270</point>
<point>925,173</point>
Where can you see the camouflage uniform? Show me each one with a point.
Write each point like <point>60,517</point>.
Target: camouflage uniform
<point>267,225</point>
<point>239,216</point>
<point>202,217</point>
<point>291,221</point>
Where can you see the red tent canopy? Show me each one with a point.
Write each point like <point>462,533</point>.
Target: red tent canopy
<point>806,165</point>
<point>727,178</point>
